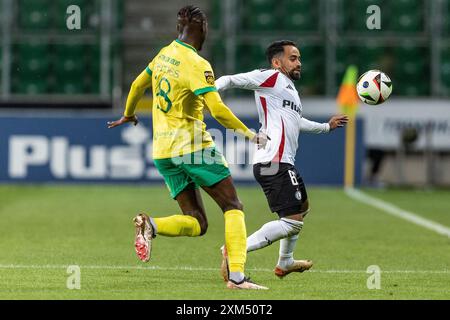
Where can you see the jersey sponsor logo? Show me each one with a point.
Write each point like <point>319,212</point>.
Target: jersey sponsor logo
<point>298,195</point>
<point>209,76</point>
<point>292,105</point>
<point>170,60</point>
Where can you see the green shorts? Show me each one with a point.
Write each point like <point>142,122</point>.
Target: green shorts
<point>205,167</point>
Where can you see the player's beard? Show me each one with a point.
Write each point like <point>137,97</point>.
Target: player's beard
<point>295,74</point>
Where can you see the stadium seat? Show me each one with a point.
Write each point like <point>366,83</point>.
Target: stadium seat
<point>260,15</point>
<point>413,60</point>
<point>262,21</point>
<point>445,67</point>
<point>218,57</point>
<point>300,15</point>
<point>300,21</point>
<point>69,86</point>
<point>24,84</point>
<point>34,14</point>
<point>313,69</point>
<point>215,20</point>
<point>371,56</point>
<point>250,56</point>
<point>261,4</point>
<point>406,16</point>
<point>69,59</point>
<point>345,55</point>
<point>32,58</point>
<point>446,22</point>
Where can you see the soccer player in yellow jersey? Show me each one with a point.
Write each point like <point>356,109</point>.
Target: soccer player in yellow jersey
<point>183,151</point>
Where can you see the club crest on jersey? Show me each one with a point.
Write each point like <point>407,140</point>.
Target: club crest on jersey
<point>209,76</point>
<point>298,195</point>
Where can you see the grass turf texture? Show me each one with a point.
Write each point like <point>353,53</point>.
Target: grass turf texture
<point>44,229</point>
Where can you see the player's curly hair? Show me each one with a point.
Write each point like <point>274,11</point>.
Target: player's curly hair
<point>276,48</point>
<point>189,14</point>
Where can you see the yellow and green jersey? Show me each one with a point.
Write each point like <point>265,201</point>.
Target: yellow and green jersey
<point>179,78</point>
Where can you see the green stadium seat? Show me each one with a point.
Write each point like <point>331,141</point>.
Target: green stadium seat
<point>93,58</point>
<point>445,67</point>
<point>404,22</point>
<point>411,70</point>
<point>32,58</point>
<point>69,60</point>
<point>216,14</point>
<point>30,68</point>
<point>405,6</point>
<point>250,56</point>
<point>218,57</point>
<point>300,15</point>
<point>411,60</point>
<point>261,4</point>
<point>299,5</point>
<point>300,21</point>
<point>34,14</point>
<point>420,89</point>
<point>69,86</point>
<point>24,84</point>
<point>260,15</point>
<point>262,21</point>
<point>371,56</point>
<point>312,81</point>
<point>92,84</point>
<point>406,16</point>
<point>345,56</point>
<point>311,54</point>
<point>446,22</point>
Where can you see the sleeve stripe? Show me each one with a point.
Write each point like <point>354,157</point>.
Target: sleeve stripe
<point>148,71</point>
<point>204,90</point>
<point>270,82</point>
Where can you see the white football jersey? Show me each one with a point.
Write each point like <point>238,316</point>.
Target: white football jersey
<point>280,112</point>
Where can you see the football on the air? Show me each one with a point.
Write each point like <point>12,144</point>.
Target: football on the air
<point>374,87</point>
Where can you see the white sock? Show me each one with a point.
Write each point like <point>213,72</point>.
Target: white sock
<point>287,246</point>
<point>237,277</point>
<point>273,231</point>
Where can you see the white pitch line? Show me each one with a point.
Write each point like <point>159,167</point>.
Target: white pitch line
<point>397,212</point>
<point>188,268</point>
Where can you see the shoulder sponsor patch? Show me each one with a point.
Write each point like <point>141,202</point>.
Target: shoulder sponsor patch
<point>209,76</point>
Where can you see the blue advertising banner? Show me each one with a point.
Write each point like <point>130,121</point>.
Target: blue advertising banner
<point>82,149</point>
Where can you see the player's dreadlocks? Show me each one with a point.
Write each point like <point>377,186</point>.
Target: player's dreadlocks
<point>189,14</point>
<point>276,48</point>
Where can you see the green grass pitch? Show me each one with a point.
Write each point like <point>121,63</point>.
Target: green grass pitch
<point>45,229</point>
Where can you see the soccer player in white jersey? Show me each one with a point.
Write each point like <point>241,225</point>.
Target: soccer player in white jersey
<point>280,114</point>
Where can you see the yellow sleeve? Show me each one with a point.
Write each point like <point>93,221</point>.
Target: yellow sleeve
<point>224,115</point>
<point>142,83</point>
<point>201,78</point>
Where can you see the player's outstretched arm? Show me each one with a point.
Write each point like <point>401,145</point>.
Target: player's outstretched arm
<point>137,90</point>
<point>316,127</point>
<point>226,117</point>
<point>248,80</point>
